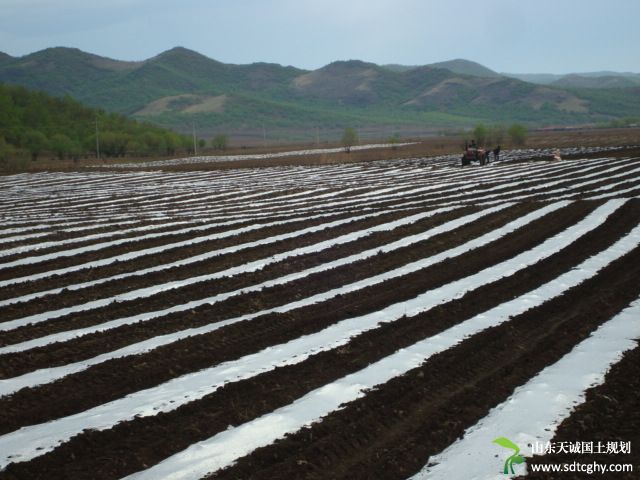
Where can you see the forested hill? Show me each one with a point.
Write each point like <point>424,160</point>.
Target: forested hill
<point>35,124</point>
<point>180,86</point>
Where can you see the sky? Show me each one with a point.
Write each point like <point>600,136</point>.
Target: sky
<point>514,36</point>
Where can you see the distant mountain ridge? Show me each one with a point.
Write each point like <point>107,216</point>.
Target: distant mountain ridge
<point>466,67</point>
<point>180,85</point>
<point>459,65</point>
<point>604,81</point>
<point>613,79</point>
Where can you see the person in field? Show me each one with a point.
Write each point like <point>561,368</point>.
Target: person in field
<point>482,156</point>
<point>496,153</point>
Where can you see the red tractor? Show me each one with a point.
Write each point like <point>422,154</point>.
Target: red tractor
<point>475,155</point>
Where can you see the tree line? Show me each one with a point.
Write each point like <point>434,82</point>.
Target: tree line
<point>34,124</point>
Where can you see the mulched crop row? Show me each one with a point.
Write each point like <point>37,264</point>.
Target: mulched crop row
<point>89,345</point>
<point>222,262</point>
<point>144,371</point>
<point>610,412</point>
<point>390,432</point>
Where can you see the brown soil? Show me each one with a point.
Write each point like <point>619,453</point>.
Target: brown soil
<point>611,412</point>
<point>392,431</point>
<point>360,302</point>
<point>63,262</point>
<point>217,263</point>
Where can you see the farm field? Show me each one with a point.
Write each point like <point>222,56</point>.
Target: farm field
<point>383,320</point>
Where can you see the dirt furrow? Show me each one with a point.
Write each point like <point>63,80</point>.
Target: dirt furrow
<point>222,262</point>
<point>600,419</point>
<point>291,223</point>
<point>397,416</point>
<point>148,260</point>
<point>392,431</point>
<point>133,245</point>
<point>111,230</point>
<point>365,300</point>
<point>104,381</point>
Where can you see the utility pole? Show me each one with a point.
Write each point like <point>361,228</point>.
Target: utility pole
<point>193,129</point>
<point>318,137</point>
<point>97,140</point>
<point>264,136</point>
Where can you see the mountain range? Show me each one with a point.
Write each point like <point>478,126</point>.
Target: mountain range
<point>180,87</point>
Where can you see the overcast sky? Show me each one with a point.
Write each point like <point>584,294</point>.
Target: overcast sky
<point>517,36</point>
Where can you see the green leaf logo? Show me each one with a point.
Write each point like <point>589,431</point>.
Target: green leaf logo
<point>515,458</point>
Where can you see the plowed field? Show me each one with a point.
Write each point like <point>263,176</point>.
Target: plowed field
<point>369,320</point>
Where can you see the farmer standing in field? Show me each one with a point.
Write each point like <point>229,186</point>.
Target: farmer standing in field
<point>496,153</point>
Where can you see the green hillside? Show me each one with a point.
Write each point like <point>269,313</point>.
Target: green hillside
<point>181,86</point>
<point>35,124</point>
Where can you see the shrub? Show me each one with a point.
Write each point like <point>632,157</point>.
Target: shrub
<point>517,134</point>
<point>220,142</point>
<point>349,139</point>
<point>480,134</point>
